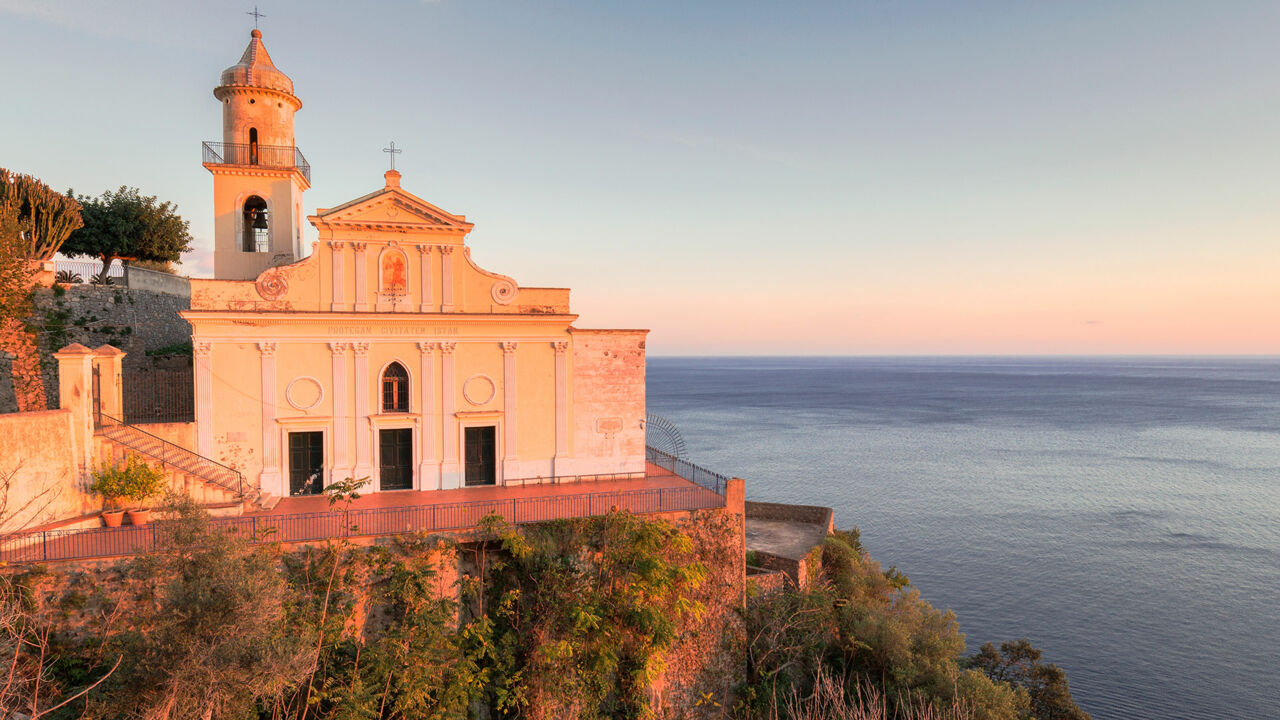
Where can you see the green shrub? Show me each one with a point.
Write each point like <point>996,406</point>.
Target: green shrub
<point>133,480</point>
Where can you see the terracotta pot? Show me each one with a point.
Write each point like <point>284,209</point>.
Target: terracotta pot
<point>112,518</point>
<point>139,517</point>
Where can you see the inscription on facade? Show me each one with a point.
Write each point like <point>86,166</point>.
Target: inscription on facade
<point>408,330</point>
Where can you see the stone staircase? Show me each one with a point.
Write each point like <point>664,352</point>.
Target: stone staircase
<point>207,481</point>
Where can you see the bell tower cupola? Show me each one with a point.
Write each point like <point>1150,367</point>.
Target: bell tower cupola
<point>259,174</point>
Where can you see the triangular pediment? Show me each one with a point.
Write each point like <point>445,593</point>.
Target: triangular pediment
<point>391,208</point>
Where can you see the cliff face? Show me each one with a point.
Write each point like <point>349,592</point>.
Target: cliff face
<point>612,616</point>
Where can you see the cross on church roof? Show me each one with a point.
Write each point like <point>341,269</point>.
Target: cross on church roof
<point>256,15</point>
<point>392,151</point>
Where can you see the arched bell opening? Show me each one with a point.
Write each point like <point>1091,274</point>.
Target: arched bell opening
<point>257,226</point>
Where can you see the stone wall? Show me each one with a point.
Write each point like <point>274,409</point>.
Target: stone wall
<point>131,319</point>
<point>813,514</point>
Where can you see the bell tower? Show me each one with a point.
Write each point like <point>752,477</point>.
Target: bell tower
<point>259,175</point>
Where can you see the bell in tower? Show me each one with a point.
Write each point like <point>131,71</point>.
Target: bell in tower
<point>259,174</point>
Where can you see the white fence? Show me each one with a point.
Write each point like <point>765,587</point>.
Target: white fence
<point>86,269</point>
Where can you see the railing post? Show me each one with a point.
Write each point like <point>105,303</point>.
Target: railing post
<point>44,543</point>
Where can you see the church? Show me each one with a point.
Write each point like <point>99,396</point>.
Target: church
<point>383,351</point>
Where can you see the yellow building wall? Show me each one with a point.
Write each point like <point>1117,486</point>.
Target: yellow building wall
<point>286,323</point>
<point>39,472</point>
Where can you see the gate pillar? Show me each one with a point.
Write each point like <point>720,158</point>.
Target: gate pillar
<point>107,362</point>
<point>75,393</point>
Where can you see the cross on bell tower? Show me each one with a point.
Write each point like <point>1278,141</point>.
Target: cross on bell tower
<point>256,15</point>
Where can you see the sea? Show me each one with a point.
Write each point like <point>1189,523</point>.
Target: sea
<point>1121,513</point>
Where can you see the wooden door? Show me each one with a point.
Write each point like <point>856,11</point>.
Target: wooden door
<point>395,451</point>
<point>306,463</point>
<point>479,447</point>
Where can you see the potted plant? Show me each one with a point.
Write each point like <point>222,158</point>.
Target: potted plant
<point>135,481</point>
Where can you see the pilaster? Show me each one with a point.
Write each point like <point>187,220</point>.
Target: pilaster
<point>510,458</point>
<point>270,479</point>
<point>446,277</point>
<point>338,259</point>
<point>203,351</point>
<point>341,413</point>
<point>364,428</point>
<point>562,404</point>
<point>428,467</point>
<point>362,277</point>
<point>450,473</point>
<point>428,292</point>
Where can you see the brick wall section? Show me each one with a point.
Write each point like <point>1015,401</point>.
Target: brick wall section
<point>608,401</point>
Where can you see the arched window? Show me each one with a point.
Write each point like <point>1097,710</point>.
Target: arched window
<point>253,146</point>
<point>395,389</point>
<point>257,228</point>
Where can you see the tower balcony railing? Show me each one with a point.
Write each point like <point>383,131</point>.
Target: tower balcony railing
<point>271,156</point>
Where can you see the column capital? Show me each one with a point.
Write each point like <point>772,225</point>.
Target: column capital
<point>361,348</point>
<point>426,347</point>
<point>359,246</point>
<point>336,245</point>
<point>202,348</point>
<point>339,348</point>
<point>448,347</point>
<point>424,249</point>
<point>560,346</point>
<point>508,347</point>
<point>446,249</point>
<point>268,349</point>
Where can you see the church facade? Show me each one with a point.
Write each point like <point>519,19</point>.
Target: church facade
<point>386,353</point>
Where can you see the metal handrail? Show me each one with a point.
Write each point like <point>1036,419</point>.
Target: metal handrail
<point>173,454</point>
<point>273,156</point>
<point>696,474</point>
<point>52,545</point>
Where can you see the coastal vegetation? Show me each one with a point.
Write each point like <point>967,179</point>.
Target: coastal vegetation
<point>862,636</point>
<point>587,618</point>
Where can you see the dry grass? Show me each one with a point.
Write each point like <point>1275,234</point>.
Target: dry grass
<point>830,701</point>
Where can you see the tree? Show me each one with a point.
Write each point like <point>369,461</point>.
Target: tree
<point>43,218</point>
<point>126,224</point>
<point>1018,663</point>
<point>216,638</point>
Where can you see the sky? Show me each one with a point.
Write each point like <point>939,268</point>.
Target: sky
<point>764,178</point>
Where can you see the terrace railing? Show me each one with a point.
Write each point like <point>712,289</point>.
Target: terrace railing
<point>707,491</point>
<point>272,156</point>
<point>52,545</point>
<point>171,455</point>
<point>713,481</point>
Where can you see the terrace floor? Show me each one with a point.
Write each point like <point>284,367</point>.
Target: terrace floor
<point>655,478</point>
<point>307,519</point>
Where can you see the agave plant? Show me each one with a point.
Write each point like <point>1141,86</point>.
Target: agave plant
<point>101,279</point>
<point>68,277</point>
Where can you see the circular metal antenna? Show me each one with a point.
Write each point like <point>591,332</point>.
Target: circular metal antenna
<point>662,434</point>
